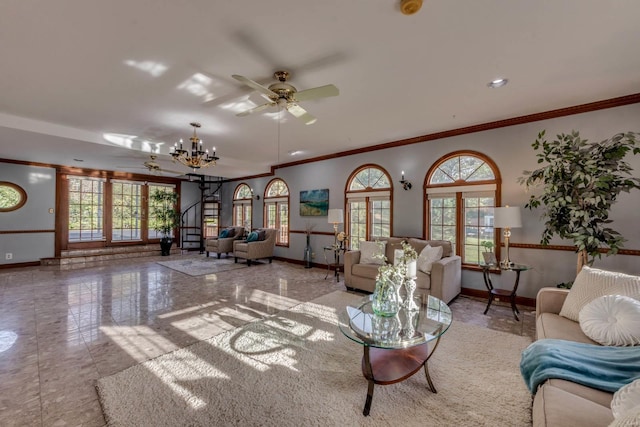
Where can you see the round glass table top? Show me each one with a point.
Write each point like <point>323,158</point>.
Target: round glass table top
<point>406,329</point>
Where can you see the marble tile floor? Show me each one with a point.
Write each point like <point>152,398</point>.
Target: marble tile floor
<point>62,329</point>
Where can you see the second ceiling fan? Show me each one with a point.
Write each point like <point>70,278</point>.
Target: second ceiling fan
<point>286,96</point>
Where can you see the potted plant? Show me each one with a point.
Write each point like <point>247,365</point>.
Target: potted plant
<point>580,183</point>
<point>167,218</point>
<point>488,255</point>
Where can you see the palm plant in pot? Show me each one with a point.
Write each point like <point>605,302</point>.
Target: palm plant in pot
<point>165,217</point>
<point>580,183</point>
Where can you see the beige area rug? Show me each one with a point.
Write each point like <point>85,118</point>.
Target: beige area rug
<point>200,266</point>
<point>297,369</point>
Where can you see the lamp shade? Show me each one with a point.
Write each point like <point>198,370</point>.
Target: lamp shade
<point>508,216</point>
<point>335,216</point>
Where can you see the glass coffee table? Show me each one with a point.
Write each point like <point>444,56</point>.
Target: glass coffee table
<point>395,347</point>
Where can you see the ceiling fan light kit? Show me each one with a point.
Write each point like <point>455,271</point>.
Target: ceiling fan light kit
<point>409,7</point>
<point>286,96</point>
<point>197,158</point>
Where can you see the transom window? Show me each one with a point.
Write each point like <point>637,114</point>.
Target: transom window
<point>369,204</point>
<point>242,201</point>
<point>461,191</point>
<point>276,209</point>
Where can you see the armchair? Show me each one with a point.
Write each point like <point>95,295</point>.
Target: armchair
<point>256,249</point>
<point>223,245</point>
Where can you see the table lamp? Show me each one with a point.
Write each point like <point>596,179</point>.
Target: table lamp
<point>507,218</point>
<point>335,218</point>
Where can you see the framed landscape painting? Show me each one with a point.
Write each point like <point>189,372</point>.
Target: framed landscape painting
<point>314,202</point>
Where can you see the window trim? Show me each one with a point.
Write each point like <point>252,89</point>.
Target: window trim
<point>277,200</point>
<point>460,186</point>
<point>20,190</point>
<point>241,203</point>
<point>367,195</point>
<point>62,204</point>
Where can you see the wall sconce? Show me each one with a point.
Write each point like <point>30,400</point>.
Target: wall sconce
<point>254,196</point>
<point>405,183</point>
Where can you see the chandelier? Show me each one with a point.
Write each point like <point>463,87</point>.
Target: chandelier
<point>196,158</point>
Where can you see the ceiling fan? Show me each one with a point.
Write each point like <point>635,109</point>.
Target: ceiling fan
<point>285,95</point>
<point>155,169</point>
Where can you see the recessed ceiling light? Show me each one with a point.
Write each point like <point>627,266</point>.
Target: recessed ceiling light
<point>497,83</point>
<point>294,152</point>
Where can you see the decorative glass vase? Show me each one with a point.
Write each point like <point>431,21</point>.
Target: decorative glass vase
<point>385,298</point>
<point>307,253</point>
<point>386,329</point>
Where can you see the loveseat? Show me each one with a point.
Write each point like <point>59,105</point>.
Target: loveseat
<point>443,282</point>
<point>223,245</point>
<point>261,248</point>
<point>560,402</point>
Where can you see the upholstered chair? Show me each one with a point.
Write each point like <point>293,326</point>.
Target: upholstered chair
<point>257,249</point>
<point>223,245</point>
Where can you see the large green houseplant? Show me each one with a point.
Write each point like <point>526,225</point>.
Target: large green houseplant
<point>165,217</point>
<point>580,182</point>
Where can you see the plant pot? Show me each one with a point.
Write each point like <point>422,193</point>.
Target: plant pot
<point>489,258</point>
<point>165,245</point>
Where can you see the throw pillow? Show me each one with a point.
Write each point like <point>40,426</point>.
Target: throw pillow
<point>612,320</point>
<point>231,232</point>
<point>626,399</point>
<point>252,237</point>
<point>629,419</point>
<point>262,234</point>
<point>372,252</point>
<point>592,283</point>
<point>224,233</point>
<point>427,257</point>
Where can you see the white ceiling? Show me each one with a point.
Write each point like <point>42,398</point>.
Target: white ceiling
<point>77,75</point>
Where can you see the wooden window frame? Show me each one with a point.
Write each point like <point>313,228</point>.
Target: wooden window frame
<point>367,195</point>
<point>456,188</point>
<point>283,237</point>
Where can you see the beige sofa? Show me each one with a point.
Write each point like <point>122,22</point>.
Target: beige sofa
<point>560,403</point>
<point>257,249</point>
<point>444,282</point>
<point>224,245</point>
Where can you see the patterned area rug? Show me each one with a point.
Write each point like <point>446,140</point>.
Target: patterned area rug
<point>297,369</point>
<point>200,266</point>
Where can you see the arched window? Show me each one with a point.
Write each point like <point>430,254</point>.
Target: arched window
<point>368,204</point>
<point>242,201</point>
<point>276,209</point>
<point>462,188</point>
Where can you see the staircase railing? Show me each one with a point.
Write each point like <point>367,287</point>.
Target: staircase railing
<point>192,219</point>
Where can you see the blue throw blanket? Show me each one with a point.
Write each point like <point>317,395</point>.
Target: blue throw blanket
<point>601,367</point>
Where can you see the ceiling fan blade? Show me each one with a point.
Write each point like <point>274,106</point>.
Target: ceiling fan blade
<point>255,85</point>
<point>301,114</point>
<point>316,93</point>
<point>178,173</point>
<point>256,109</point>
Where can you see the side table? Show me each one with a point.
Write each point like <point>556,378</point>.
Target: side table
<point>493,292</point>
<point>335,263</point>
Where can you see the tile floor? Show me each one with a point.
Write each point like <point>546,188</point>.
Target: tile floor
<point>61,330</point>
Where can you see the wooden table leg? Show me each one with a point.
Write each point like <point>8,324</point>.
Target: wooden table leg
<point>369,375</point>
